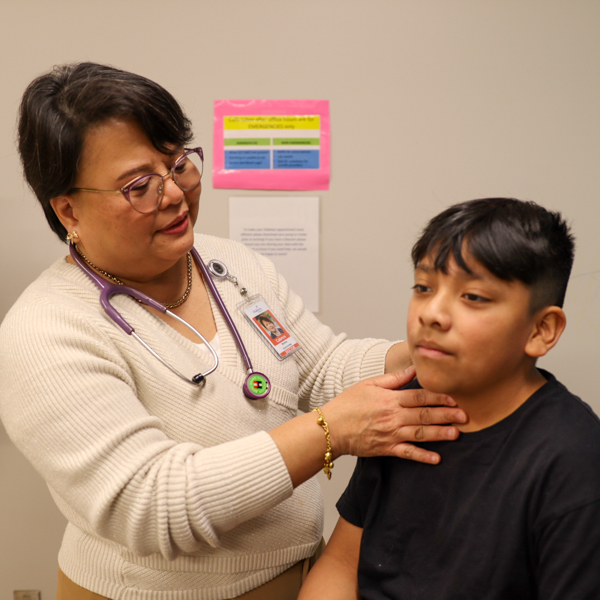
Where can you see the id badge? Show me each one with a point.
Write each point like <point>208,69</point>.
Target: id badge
<point>269,328</point>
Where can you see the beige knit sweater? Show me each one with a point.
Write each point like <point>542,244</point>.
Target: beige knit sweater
<point>171,491</point>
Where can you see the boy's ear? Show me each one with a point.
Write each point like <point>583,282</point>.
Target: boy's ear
<point>63,207</point>
<point>549,324</point>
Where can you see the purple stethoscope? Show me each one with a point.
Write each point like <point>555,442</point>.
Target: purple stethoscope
<point>256,385</point>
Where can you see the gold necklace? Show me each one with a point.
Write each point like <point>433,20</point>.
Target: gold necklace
<point>119,282</point>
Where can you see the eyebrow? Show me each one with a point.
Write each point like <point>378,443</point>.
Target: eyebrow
<point>129,175</point>
<point>143,169</point>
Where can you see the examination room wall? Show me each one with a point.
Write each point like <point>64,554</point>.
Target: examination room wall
<point>431,103</point>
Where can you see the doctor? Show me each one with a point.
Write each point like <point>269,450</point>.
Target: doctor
<point>173,489</point>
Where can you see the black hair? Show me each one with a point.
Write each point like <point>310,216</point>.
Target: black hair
<point>511,238</point>
<point>263,318</point>
<point>59,107</point>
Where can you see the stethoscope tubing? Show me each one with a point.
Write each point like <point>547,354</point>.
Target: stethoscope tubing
<point>213,288</point>
<point>109,289</point>
<point>252,376</point>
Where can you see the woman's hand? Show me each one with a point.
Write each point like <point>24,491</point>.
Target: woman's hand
<point>371,418</point>
<point>374,418</point>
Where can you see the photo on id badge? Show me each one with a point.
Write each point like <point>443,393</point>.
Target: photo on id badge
<point>271,327</point>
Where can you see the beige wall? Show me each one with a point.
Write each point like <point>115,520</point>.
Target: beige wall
<point>432,102</point>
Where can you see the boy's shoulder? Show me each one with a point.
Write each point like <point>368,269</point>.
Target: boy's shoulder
<point>564,415</point>
<point>507,496</point>
<point>553,432</point>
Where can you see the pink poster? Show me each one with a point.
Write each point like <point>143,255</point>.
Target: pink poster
<point>271,144</point>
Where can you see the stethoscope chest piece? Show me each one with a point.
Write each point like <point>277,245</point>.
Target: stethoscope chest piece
<point>256,386</point>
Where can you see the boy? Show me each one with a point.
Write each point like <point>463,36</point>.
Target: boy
<point>513,510</point>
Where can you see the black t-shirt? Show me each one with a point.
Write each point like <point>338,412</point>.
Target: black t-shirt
<point>511,513</point>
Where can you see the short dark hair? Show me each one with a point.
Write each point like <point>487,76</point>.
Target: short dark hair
<point>264,319</point>
<point>511,238</point>
<point>59,107</point>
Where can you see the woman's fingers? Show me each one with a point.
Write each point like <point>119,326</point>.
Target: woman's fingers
<point>410,452</point>
<point>421,397</point>
<point>375,418</point>
<point>429,433</point>
<point>431,415</point>
<point>423,433</point>
<point>410,397</point>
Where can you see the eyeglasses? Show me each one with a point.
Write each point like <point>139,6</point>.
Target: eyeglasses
<point>146,192</point>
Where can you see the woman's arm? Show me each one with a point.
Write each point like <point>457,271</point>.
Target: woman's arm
<point>335,575</point>
<point>397,358</point>
<point>371,418</point>
<point>328,363</point>
<point>167,481</point>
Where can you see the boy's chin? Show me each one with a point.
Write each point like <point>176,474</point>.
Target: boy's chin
<point>433,383</point>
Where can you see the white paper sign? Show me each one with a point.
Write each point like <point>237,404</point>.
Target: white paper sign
<point>286,230</point>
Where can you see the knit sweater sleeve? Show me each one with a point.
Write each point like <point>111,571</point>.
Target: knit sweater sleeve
<point>328,363</point>
<point>69,402</point>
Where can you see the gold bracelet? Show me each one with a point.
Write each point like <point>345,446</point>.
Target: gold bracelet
<point>328,455</point>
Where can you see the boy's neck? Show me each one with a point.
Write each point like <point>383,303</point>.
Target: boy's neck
<point>490,406</point>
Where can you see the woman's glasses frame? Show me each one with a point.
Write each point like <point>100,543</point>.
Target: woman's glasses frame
<point>127,187</point>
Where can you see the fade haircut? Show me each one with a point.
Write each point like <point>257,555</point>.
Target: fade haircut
<point>59,107</point>
<point>512,239</point>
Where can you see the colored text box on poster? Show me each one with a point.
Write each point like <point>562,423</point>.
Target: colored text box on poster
<point>248,159</point>
<point>296,159</point>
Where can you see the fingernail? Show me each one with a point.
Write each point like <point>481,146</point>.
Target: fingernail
<point>409,369</point>
<point>451,433</point>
